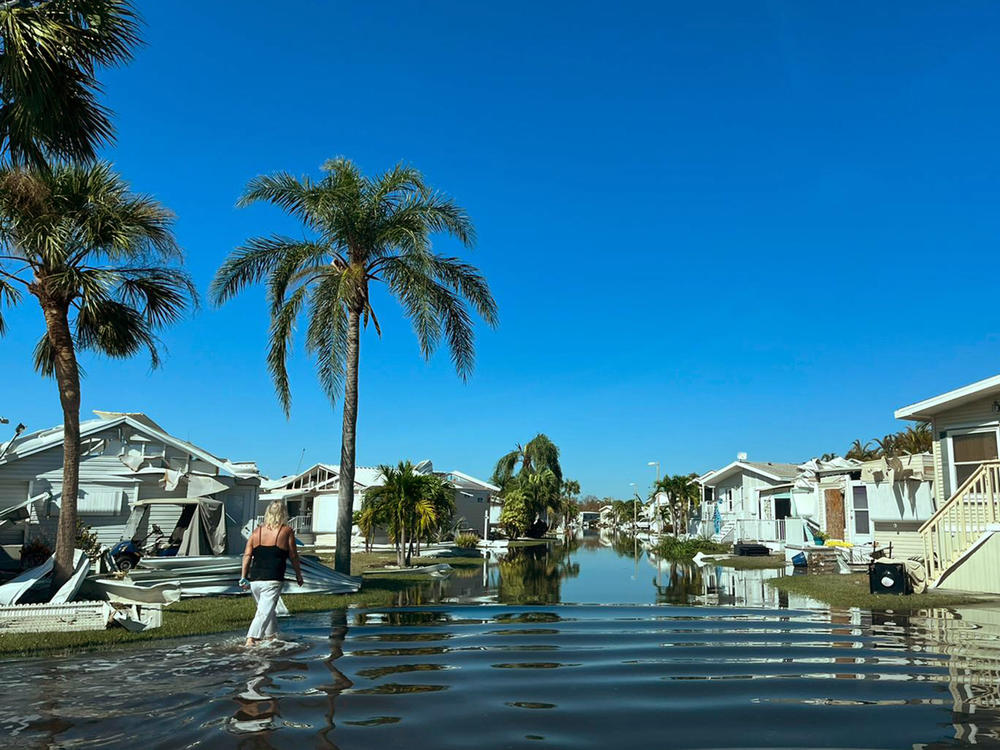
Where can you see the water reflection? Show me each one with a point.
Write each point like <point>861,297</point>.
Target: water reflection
<point>708,660</point>
<point>606,569</point>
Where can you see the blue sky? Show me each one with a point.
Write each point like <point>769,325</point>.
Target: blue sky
<point>710,227</point>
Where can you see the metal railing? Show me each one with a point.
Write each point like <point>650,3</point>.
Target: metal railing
<point>962,520</point>
<point>299,524</point>
<point>770,530</point>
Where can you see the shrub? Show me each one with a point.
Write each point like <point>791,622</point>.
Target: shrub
<point>672,548</point>
<point>466,540</point>
<point>35,552</point>
<point>87,540</point>
<point>515,518</point>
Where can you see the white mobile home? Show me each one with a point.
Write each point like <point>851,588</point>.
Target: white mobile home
<point>124,458</point>
<point>751,500</point>
<point>313,498</point>
<point>476,503</point>
<point>961,543</point>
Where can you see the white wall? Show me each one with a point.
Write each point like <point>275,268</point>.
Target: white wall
<point>974,414</point>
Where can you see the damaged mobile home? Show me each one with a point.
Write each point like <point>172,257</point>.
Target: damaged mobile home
<point>125,458</point>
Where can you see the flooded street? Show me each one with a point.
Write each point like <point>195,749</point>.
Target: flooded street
<point>580,646</point>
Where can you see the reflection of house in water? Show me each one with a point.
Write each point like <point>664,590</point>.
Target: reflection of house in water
<point>967,638</point>
<point>718,585</point>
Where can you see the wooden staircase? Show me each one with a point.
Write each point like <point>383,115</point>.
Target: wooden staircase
<point>961,522</point>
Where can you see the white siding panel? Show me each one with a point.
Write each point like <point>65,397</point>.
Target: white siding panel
<point>978,572</point>
<point>974,414</point>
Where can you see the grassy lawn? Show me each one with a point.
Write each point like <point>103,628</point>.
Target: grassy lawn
<point>219,614</point>
<point>224,614</point>
<point>852,591</point>
<point>752,563</point>
<point>233,613</point>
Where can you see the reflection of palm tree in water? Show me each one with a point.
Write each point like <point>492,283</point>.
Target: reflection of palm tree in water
<point>257,710</point>
<point>680,584</point>
<point>534,575</point>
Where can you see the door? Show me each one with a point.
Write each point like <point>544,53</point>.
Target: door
<point>968,451</point>
<point>835,524</point>
<point>861,526</point>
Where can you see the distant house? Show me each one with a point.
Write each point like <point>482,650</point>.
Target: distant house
<point>476,505</point>
<point>751,500</point>
<point>125,457</point>
<point>313,498</point>
<point>961,544</point>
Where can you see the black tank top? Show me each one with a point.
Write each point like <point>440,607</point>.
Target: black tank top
<point>268,562</point>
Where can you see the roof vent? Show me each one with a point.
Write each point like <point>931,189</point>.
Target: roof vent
<point>742,456</point>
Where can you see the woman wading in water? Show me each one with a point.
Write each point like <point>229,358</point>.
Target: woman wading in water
<point>269,548</point>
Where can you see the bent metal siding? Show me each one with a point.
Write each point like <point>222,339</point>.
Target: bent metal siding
<point>102,471</point>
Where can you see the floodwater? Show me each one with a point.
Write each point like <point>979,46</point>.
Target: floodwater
<point>576,646</point>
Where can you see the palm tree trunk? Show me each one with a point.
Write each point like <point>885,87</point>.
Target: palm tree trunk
<point>68,380</point>
<point>348,448</point>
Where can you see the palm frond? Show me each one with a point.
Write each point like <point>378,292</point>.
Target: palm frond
<point>282,322</point>
<point>466,279</point>
<point>300,263</point>
<point>249,264</point>
<point>47,76</point>
<point>326,335</point>
<point>114,329</point>
<point>162,295</point>
<point>10,295</point>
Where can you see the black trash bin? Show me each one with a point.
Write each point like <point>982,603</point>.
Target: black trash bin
<point>888,578</point>
<point>747,549</point>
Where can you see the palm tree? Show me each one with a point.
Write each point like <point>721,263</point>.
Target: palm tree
<point>916,440</point>
<point>888,446</point>
<point>537,454</point>
<point>683,494</point>
<point>48,88</point>
<point>861,451</point>
<point>91,253</point>
<point>365,230</point>
<point>409,504</point>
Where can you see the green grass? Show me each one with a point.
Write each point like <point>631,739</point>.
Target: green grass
<point>752,563</point>
<point>202,616</point>
<point>222,614</point>
<point>852,591</point>
<point>672,548</point>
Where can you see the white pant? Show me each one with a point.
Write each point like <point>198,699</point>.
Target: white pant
<point>265,622</point>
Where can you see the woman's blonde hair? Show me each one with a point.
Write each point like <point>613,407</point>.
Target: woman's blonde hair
<point>276,515</point>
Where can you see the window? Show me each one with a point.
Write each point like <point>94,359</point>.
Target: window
<point>709,494</point>
<point>861,518</point>
<point>970,451</point>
